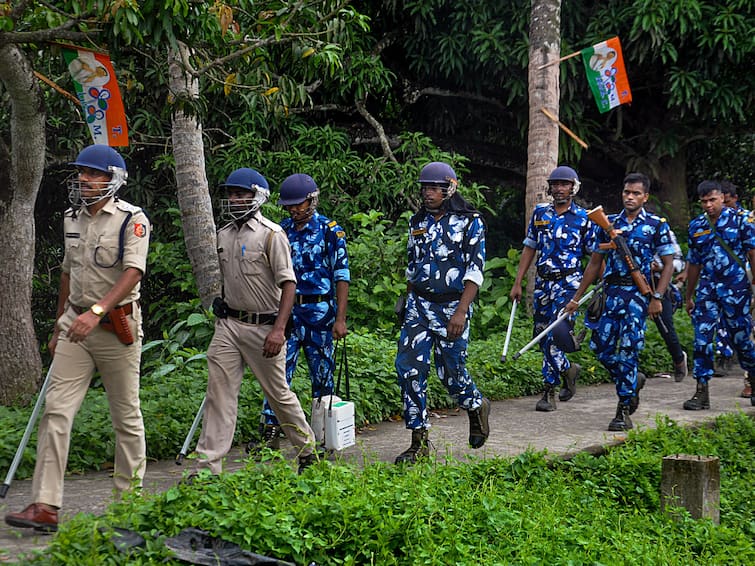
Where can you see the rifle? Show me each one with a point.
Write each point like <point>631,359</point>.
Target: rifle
<point>619,243</point>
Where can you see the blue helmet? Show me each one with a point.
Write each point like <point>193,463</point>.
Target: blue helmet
<point>439,174</point>
<point>565,173</point>
<point>248,180</point>
<point>101,158</point>
<point>297,188</point>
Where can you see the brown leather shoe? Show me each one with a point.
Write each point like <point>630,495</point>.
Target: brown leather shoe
<point>747,391</point>
<point>38,516</point>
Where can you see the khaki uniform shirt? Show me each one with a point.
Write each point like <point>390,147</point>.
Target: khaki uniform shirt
<point>92,247</point>
<point>255,262</point>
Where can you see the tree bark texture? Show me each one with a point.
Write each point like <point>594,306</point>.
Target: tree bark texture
<point>191,182</point>
<point>672,178</point>
<point>21,170</point>
<point>544,92</point>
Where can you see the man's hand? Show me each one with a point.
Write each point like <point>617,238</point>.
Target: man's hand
<point>82,326</point>
<point>516,292</point>
<point>655,308</point>
<point>571,307</point>
<point>690,306</point>
<point>456,324</point>
<point>339,330</point>
<point>53,343</point>
<point>273,343</point>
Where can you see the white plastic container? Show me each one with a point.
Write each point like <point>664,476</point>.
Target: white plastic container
<point>319,410</point>
<point>340,431</point>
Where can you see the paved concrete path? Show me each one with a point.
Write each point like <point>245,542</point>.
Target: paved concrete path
<point>581,424</point>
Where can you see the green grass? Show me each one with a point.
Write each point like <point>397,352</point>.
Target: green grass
<point>523,510</point>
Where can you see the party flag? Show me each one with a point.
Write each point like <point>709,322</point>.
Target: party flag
<point>604,64</point>
<point>97,90</point>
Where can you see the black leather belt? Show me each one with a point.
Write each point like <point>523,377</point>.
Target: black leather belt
<point>309,299</point>
<point>127,308</point>
<point>438,297</point>
<point>252,317</point>
<point>619,280</point>
<point>556,275</point>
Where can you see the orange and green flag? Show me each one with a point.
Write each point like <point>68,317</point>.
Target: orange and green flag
<point>604,64</point>
<point>97,90</point>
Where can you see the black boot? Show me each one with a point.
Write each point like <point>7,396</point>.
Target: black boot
<point>419,448</point>
<point>479,425</point>
<point>621,421</point>
<point>269,438</point>
<point>700,400</point>
<point>634,402</point>
<point>548,402</point>
<point>569,382</point>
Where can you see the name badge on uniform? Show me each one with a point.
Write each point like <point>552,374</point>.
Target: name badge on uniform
<point>419,231</point>
<point>701,233</point>
<point>542,222</point>
<point>73,235</point>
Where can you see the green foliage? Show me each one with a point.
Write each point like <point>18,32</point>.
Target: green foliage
<point>495,511</point>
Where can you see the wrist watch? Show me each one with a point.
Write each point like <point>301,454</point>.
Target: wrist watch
<point>98,310</point>
<point>657,296</point>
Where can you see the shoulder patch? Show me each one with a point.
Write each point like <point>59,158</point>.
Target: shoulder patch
<point>332,223</point>
<point>140,230</point>
<point>663,219</point>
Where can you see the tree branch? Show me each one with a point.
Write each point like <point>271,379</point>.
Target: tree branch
<point>378,127</point>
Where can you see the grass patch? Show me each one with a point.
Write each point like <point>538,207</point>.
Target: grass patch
<point>523,510</point>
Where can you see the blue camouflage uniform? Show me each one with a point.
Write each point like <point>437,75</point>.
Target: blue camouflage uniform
<point>561,240</point>
<point>723,291</point>
<point>724,347</point>
<point>619,336</point>
<point>442,255</point>
<point>320,261</point>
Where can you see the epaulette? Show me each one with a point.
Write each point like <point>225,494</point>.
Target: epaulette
<point>127,207</point>
<point>270,224</point>
<point>339,233</point>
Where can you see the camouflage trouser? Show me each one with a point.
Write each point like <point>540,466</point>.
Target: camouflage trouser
<point>619,337</point>
<point>732,311</point>
<point>424,329</point>
<point>313,333</point>
<point>548,300</point>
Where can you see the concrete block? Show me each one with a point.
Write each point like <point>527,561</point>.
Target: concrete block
<point>692,483</point>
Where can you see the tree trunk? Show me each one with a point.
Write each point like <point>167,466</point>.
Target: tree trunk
<point>191,181</point>
<point>544,92</point>
<point>21,171</point>
<point>672,178</point>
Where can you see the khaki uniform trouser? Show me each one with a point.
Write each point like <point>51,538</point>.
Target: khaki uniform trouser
<point>70,374</point>
<point>234,344</point>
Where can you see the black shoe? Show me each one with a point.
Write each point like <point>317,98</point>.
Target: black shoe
<point>569,382</point>
<point>700,400</point>
<point>621,421</point>
<point>270,438</point>
<point>479,425</point>
<point>548,402</point>
<point>309,460</point>
<point>420,448</point>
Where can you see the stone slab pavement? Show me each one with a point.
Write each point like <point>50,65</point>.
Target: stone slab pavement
<point>579,425</point>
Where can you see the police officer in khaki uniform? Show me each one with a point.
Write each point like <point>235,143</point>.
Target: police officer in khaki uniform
<point>258,292</point>
<point>98,326</point>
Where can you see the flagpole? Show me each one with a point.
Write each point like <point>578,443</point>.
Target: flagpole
<point>564,58</point>
<point>564,128</point>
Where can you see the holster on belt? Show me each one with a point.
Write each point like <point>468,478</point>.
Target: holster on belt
<point>117,322</point>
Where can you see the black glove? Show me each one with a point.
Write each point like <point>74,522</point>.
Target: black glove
<point>220,308</point>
